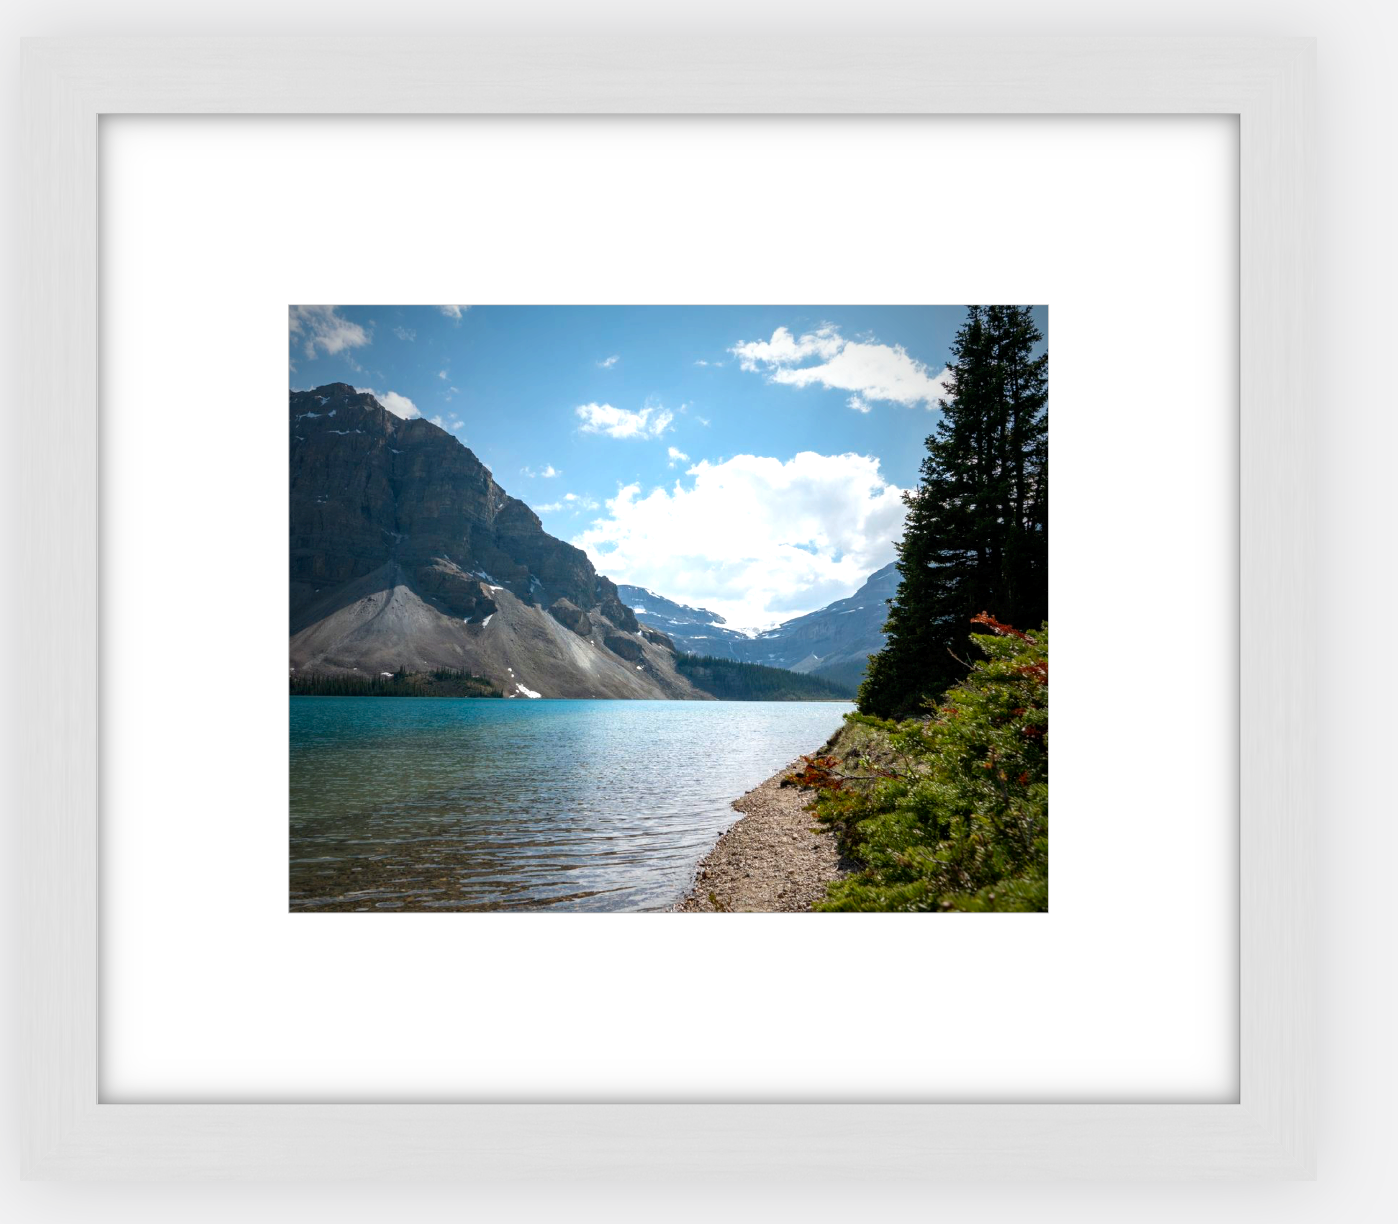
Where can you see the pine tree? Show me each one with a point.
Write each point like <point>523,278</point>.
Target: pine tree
<point>976,535</point>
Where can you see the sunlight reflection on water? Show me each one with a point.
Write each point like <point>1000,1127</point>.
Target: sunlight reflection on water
<point>439,804</point>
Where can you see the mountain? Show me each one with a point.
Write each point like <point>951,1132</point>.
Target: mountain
<point>834,642</point>
<point>405,553</point>
<point>694,630</point>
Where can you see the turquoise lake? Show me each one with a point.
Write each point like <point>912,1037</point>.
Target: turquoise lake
<point>434,804</point>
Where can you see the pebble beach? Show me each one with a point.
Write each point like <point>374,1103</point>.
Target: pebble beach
<point>775,859</point>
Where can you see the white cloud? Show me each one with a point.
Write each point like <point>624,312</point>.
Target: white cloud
<point>871,370</point>
<point>548,508</point>
<point>319,328</point>
<point>453,312</point>
<point>676,455</point>
<point>405,333</point>
<point>441,374</point>
<point>702,420</point>
<point>576,502</point>
<point>648,422</point>
<point>549,472</point>
<point>608,362</point>
<point>399,405</point>
<point>784,349</point>
<point>756,539</point>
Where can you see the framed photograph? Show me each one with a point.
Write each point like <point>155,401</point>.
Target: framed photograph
<point>702,564</point>
<point>594,735</point>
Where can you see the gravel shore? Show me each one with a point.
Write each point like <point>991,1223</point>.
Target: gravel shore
<point>770,861</point>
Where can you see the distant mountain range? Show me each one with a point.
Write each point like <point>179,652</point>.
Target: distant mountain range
<point>694,630</point>
<point>834,642</point>
<point>406,555</point>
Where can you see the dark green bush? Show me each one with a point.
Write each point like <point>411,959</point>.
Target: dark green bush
<point>950,812</point>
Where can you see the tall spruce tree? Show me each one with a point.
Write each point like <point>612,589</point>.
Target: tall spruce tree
<point>976,535</point>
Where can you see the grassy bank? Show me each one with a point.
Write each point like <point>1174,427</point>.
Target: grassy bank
<point>947,812</point>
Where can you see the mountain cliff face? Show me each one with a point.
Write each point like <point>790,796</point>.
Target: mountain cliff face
<point>834,642</point>
<point>406,553</point>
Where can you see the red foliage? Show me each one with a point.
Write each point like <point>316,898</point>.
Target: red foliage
<point>995,626</point>
<point>817,773</point>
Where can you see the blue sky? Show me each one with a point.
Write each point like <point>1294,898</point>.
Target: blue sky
<point>743,458</point>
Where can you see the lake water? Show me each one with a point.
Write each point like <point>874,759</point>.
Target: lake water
<point>441,804</point>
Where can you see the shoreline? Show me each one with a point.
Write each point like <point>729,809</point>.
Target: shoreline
<point>772,860</point>
<point>496,696</point>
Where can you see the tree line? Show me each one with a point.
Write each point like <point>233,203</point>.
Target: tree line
<point>729,680</point>
<point>439,682</point>
<point>976,534</point>
<point>938,788</point>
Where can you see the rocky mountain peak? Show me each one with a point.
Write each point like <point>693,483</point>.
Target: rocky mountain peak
<point>394,513</point>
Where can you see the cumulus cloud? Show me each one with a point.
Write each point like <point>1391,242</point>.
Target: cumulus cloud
<point>453,312</point>
<point>677,455</point>
<point>399,405</point>
<point>548,473</point>
<point>648,422</point>
<point>548,508</point>
<point>577,502</point>
<point>872,371</point>
<point>608,362</point>
<point>319,329</point>
<point>756,539</point>
<point>785,349</point>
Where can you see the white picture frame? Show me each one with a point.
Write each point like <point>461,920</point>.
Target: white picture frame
<point>69,84</point>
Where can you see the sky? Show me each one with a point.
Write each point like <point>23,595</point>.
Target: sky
<point>746,459</point>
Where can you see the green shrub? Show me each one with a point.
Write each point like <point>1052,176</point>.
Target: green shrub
<point>949,812</point>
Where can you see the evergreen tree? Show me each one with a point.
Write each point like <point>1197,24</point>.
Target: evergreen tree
<point>976,536</point>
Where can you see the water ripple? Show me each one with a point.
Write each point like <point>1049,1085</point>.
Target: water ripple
<point>435,804</point>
